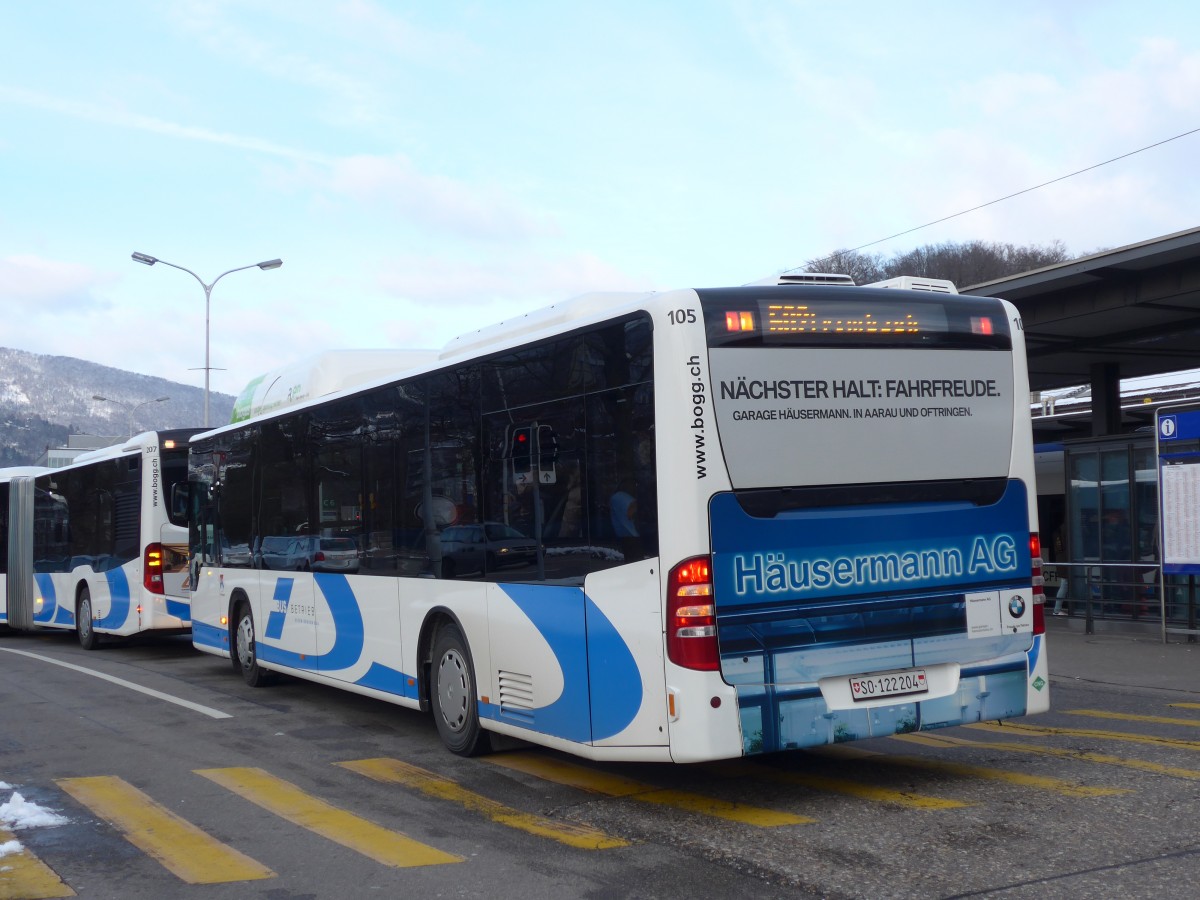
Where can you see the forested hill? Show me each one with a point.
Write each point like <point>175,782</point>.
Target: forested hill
<point>45,398</point>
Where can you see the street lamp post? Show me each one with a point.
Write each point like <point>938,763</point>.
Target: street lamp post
<point>133,408</point>
<point>151,260</point>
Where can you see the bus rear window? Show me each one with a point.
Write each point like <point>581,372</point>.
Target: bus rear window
<point>175,472</point>
<point>809,316</point>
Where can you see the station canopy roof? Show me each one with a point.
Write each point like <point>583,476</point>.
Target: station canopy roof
<point>1136,306</point>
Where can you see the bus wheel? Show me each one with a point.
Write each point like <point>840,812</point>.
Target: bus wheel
<point>246,655</point>
<point>453,695</point>
<point>88,639</point>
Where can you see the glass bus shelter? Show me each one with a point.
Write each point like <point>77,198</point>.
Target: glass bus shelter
<point>1103,560</point>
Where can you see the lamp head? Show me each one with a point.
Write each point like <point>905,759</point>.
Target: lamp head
<point>145,258</point>
<point>270,264</point>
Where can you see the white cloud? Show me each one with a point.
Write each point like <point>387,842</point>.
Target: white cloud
<point>480,212</point>
<point>373,23</point>
<point>428,200</point>
<point>361,43</point>
<point>268,51</point>
<point>121,118</point>
<point>527,282</point>
<point>38,285</point>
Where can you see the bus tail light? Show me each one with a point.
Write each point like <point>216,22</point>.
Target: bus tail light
<point>1039,584</point>
<point>691,616</point>
<point>982,325</point>
<point>152,569</point>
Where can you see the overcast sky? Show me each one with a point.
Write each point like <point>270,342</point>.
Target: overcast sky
<point>423,168</point>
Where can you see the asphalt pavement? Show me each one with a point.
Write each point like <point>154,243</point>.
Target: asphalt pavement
<point>1122,656</point>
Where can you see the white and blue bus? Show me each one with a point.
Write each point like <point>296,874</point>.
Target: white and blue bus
<point>100,546</point>
<point>672,526</point>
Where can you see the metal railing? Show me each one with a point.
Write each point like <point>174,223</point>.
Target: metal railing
<point>1117,591</point>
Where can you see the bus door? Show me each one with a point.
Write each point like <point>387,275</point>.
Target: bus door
<point>173,547</point>
<point>18,583</point>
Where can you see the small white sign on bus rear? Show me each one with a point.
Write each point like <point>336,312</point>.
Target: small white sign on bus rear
<point>983,614</point>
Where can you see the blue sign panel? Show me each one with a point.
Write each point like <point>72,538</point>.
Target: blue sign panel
<point>1178,431</point>
<point>810,556</point>
<point>1178,425</point>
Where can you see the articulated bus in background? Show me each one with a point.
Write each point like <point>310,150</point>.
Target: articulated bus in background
<point>100,546</point>
<point>679,526</point>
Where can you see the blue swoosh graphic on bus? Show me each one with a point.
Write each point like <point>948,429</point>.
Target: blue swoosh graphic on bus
<point>180,609</point>
<point>347,628</point>
<point>210,636</point>
<point>45,586</point>
<point>118,592</point>
<point>617,694</point>
<point>283,594</point>
<point>385,678</point>
<point>1035,652</point>
<point>563,621</point>
<point>558,615</point>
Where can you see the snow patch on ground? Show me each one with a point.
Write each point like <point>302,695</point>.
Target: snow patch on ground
<point>21,813</point>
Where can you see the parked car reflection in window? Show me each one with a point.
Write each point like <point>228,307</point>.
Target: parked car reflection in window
<point>484,548</point>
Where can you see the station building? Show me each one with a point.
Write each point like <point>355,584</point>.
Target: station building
<point>1111,338</point>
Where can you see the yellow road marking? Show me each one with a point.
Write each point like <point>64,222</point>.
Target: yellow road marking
<point>393,771</point>
<point>1131,717</point>
<point>1184,705</point>
<point>833,785</point>
<point>177,844</point>
<point>597,782</point>
<point>25,877</point>
<point>1010,728</point>
<point>968,771</point>
<point>945,740</point>
<point>286,800</point>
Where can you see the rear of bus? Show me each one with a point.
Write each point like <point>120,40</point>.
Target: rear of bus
<point>874,565</point>
<point>110,540</point>
<point>165,531</point>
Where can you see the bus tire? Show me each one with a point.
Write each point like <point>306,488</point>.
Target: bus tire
<point>88,639</point>
<point>453,694</point>
<point>245,654</point>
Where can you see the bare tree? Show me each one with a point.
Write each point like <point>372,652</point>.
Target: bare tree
<point>968,263</point>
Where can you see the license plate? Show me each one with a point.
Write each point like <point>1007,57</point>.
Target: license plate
<point>891,684</point>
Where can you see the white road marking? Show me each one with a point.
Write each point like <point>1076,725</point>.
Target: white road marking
<point>178,701</point>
